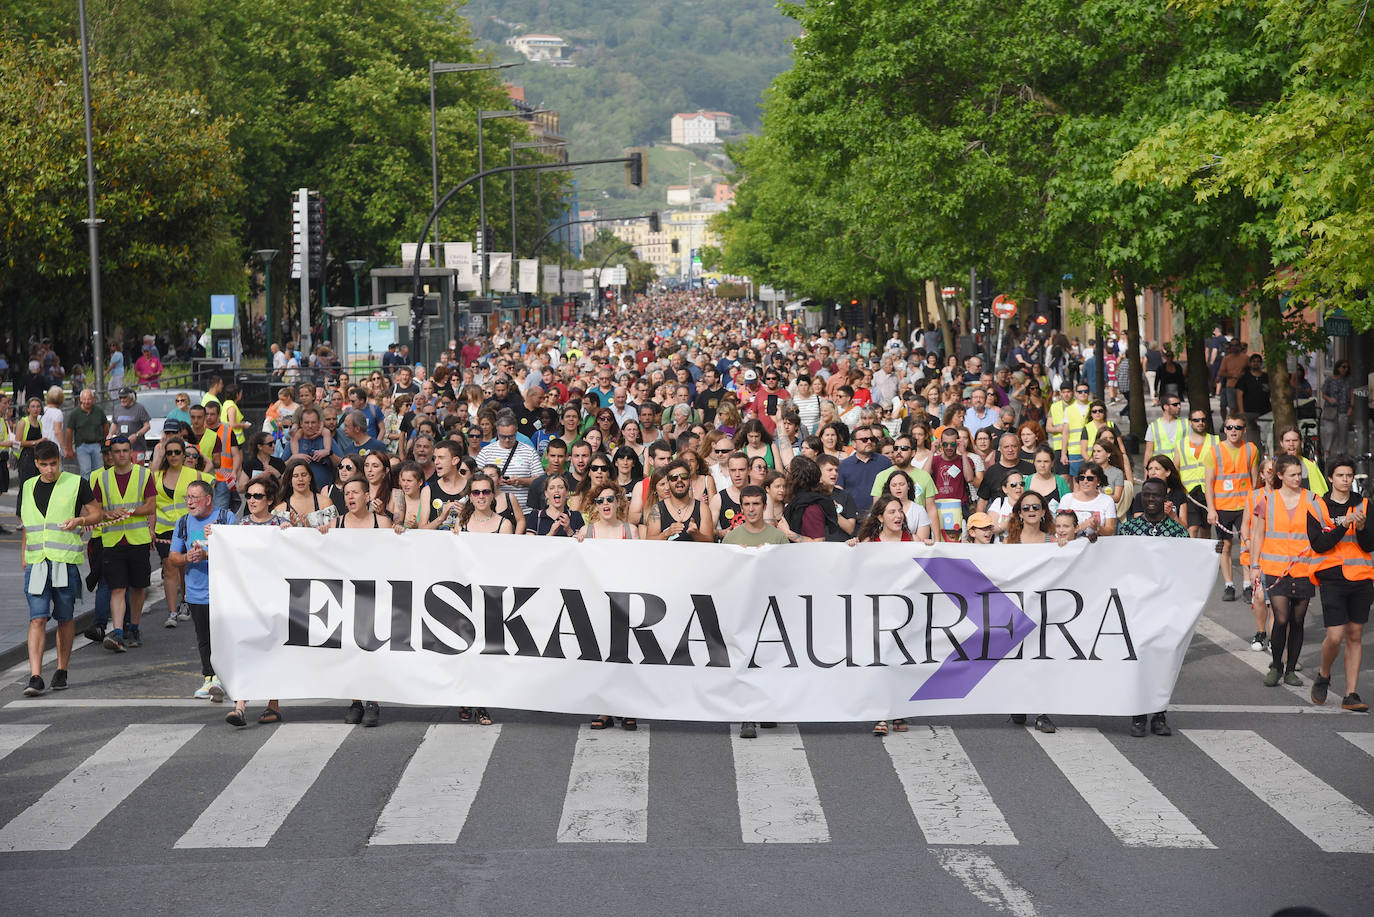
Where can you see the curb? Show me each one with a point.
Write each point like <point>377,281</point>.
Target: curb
<point>13,655</point>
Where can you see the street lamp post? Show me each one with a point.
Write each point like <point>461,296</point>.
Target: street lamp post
<point>440,67</point>
<point>356,267</point>
<point>265,255</point>
<point>92,223</point>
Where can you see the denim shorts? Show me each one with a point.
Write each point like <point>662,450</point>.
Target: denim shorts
<point>58,604</point>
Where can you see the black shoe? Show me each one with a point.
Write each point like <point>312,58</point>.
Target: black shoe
<point>1160,726</point>
<point>1019,719</point>
<point>1228,594</point>
<point>767,725</point>
<point>1249,593</point>
<point>748,731</point>
<point>133,638</point>
<point>1044,724</point>
<point>372,714</point>
<point>59,680</point>
<point>114,642</point>
<point>1353,703</point>
<point>35,687</point>
<point>1138,728</point>
<point>354,716</point>
<point>95,633</point>
<point>1320,684</point>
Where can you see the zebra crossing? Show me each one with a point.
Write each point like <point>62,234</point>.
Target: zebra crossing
<point>606,787</point>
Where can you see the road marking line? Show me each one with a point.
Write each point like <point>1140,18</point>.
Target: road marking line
<point>608,788</point>
<point>950,801</point>
<point>980,875</point>
<point>1364,741</point>
<point>1253,708</point>
<point>1240,648</point>
<point>778,802</point>
<point>78,803</point>
<point>262,794</point>
<point>1333,822</point>
<point>431,803</point>
<point>1124,798</point>
<point>11,737</point>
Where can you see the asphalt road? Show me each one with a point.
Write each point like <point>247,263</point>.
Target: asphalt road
<point>123,795</point>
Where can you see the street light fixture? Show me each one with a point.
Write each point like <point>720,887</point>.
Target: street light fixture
<point>440,67</point>
<point>355,266</point>
<point>483,115</point>
<point>265,255</point>
<point>91,221</point>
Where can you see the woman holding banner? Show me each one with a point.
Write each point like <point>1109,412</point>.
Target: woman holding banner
<point>885,523</point>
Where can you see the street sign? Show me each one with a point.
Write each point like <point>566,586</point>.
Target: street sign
<point>1338,324</point>
<point>1004,308</point>
<point>949,292</point>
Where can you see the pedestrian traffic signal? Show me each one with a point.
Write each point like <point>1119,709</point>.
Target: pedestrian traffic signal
<point>676,246</point>
<point>318,242</point>
<point>300,234</point>
<point>634,169</point>
<point>654,224</point>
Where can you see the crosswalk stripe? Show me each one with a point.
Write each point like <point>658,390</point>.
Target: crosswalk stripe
<point>430,805</point>
<point>1124,798</point>
<point>262,794</point>
<point>980,875</point>
<point>11,737</point>
<point>1240,648</point>
<point>778,802</point>
<point>1364,741</point>
<point>1333,822</point>
<point>77,804</point>
<point>608,788</point>
<point>950,801</point>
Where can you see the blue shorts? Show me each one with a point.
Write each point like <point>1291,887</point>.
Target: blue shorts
<point>55,603</point>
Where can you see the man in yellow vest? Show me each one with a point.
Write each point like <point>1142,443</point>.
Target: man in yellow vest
<point>129,497</point>
<point>1194,453</point>
<point>53,506</point>
<point>1230,478</point>
<point>1068,416</point>
<point>1165,431</point>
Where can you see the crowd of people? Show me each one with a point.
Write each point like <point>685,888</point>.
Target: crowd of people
<point>685,418</point>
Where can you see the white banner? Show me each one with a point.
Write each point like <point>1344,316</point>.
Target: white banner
<point>551,278</point>
<point>408,252</point>
<point>529,276</point>
<point>814,632</point>
<point>572,280</point>
<point>498,272</point>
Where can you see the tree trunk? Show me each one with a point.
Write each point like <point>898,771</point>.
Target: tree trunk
<point>1199,389</point>
<point>1276,360</point>
<point>946,329</point>
<point>1100,353</point>
<point>1135,371</point>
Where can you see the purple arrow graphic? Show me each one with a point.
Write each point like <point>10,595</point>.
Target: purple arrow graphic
<point>957,677</point>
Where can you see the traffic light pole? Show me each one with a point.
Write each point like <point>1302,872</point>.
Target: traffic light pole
<point>304,201</point>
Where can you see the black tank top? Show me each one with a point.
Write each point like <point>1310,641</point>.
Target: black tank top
<point>729,512</point>
<point>666,519</point>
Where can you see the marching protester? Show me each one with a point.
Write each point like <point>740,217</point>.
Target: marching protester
<point>190,553</point>
<point>1285,557</point>
<point>1344,538</point>
<point>1229,480</point>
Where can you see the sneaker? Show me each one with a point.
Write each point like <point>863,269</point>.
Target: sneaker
<point>1249,593</point>
<point>1019,719</point>
<point>133,638</point>
<point>95,633</point>
<point>183,612</point>
<point>748,731</point>
<point>1160,726</point>
<point>1320,685</point>
<point>1228,594</point>
<point>767,725</point>
<point>1138,728</point>
<point>216,690</point>
<point>1044,724</point>
<point>35,687</point>
<point>1260,642</point>
<point>354,716</point>
<point>171,620</point>
<point>1353,703</point>
<point>114,642</point>
<point>59,680</point>
<point>1292,679</point>
<point>1271,678</point>
<point>372,713</point>
<point>203,692</point>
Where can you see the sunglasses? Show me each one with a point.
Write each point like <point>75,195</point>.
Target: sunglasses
<point>1087,478</point>
<point>604,500</point>
<point>677,477</point>
<point>604,469</point>
<point>1082,391</point>
<point>1172,404</point>
<point>1198,419</point>
<point>901,449</point>
<point>1032,508</point>
<point>175,452</point>
<point>480,493</point>
<point>1234,426</point>
<point>721,451</point>
<point>1098,411</point>
<point>256,496</point>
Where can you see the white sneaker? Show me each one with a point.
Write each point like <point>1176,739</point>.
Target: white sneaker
<point>203,692</point>
<point>216,689</point>
<point>183,613</point>
<point>171,620</point>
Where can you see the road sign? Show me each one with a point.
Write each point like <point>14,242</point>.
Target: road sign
<point>1004,308</point>
<point>949,292</point>
<point>1338,324</point>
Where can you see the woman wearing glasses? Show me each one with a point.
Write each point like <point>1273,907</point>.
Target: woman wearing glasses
<point>1004,507</point>
<point>554,519</point>
<point>170,479</point>
<point>503,503</point>
<point>1029,522</point>
<point>599,473</point>
<point>608,523</point>
<point>298,500</point>
<point>257,496</point>
<point>1095,511</point>
<point>259,461</point>
<point>478,514</point>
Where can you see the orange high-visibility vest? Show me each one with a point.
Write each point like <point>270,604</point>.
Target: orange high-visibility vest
<point>1286,550</point>
<point>1354,562</point>
<point>225,472</point>
<point>1232,480</point>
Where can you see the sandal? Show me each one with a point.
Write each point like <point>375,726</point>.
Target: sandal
<point>899,725</point>
<point>880,728</point>
<point>483,717</point>
<point>602,722</point>
<point>270,715</point>
<point>629,723</point>
<point>235,718</point>
<point>464,713</point>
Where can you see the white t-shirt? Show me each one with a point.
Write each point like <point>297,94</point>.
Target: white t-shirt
<point>1101,506</point>
<point>48,423</point>
<point>916,517</point>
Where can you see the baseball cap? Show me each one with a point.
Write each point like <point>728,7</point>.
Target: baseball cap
<point>125,391</point>
<point>750,376</point>
<point>979,521</point>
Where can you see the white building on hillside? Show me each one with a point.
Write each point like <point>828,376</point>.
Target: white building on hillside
<point>541,48</point>
<point>693,129</point>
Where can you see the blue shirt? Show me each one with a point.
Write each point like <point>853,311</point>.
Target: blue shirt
<point>322,471</point>
<point>344,447</point>
<point>198,575</point>
<point>857,478</point>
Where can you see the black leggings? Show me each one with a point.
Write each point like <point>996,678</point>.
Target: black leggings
<point>1289,616</point>
<point>200,617</point>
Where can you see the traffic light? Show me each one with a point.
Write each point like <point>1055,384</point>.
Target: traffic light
<point>676,246</point>
<point>315,214</point>
<point>634,169</point>
<point>300,234</point>
<point>654,224</point>
<point>488,238</point>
